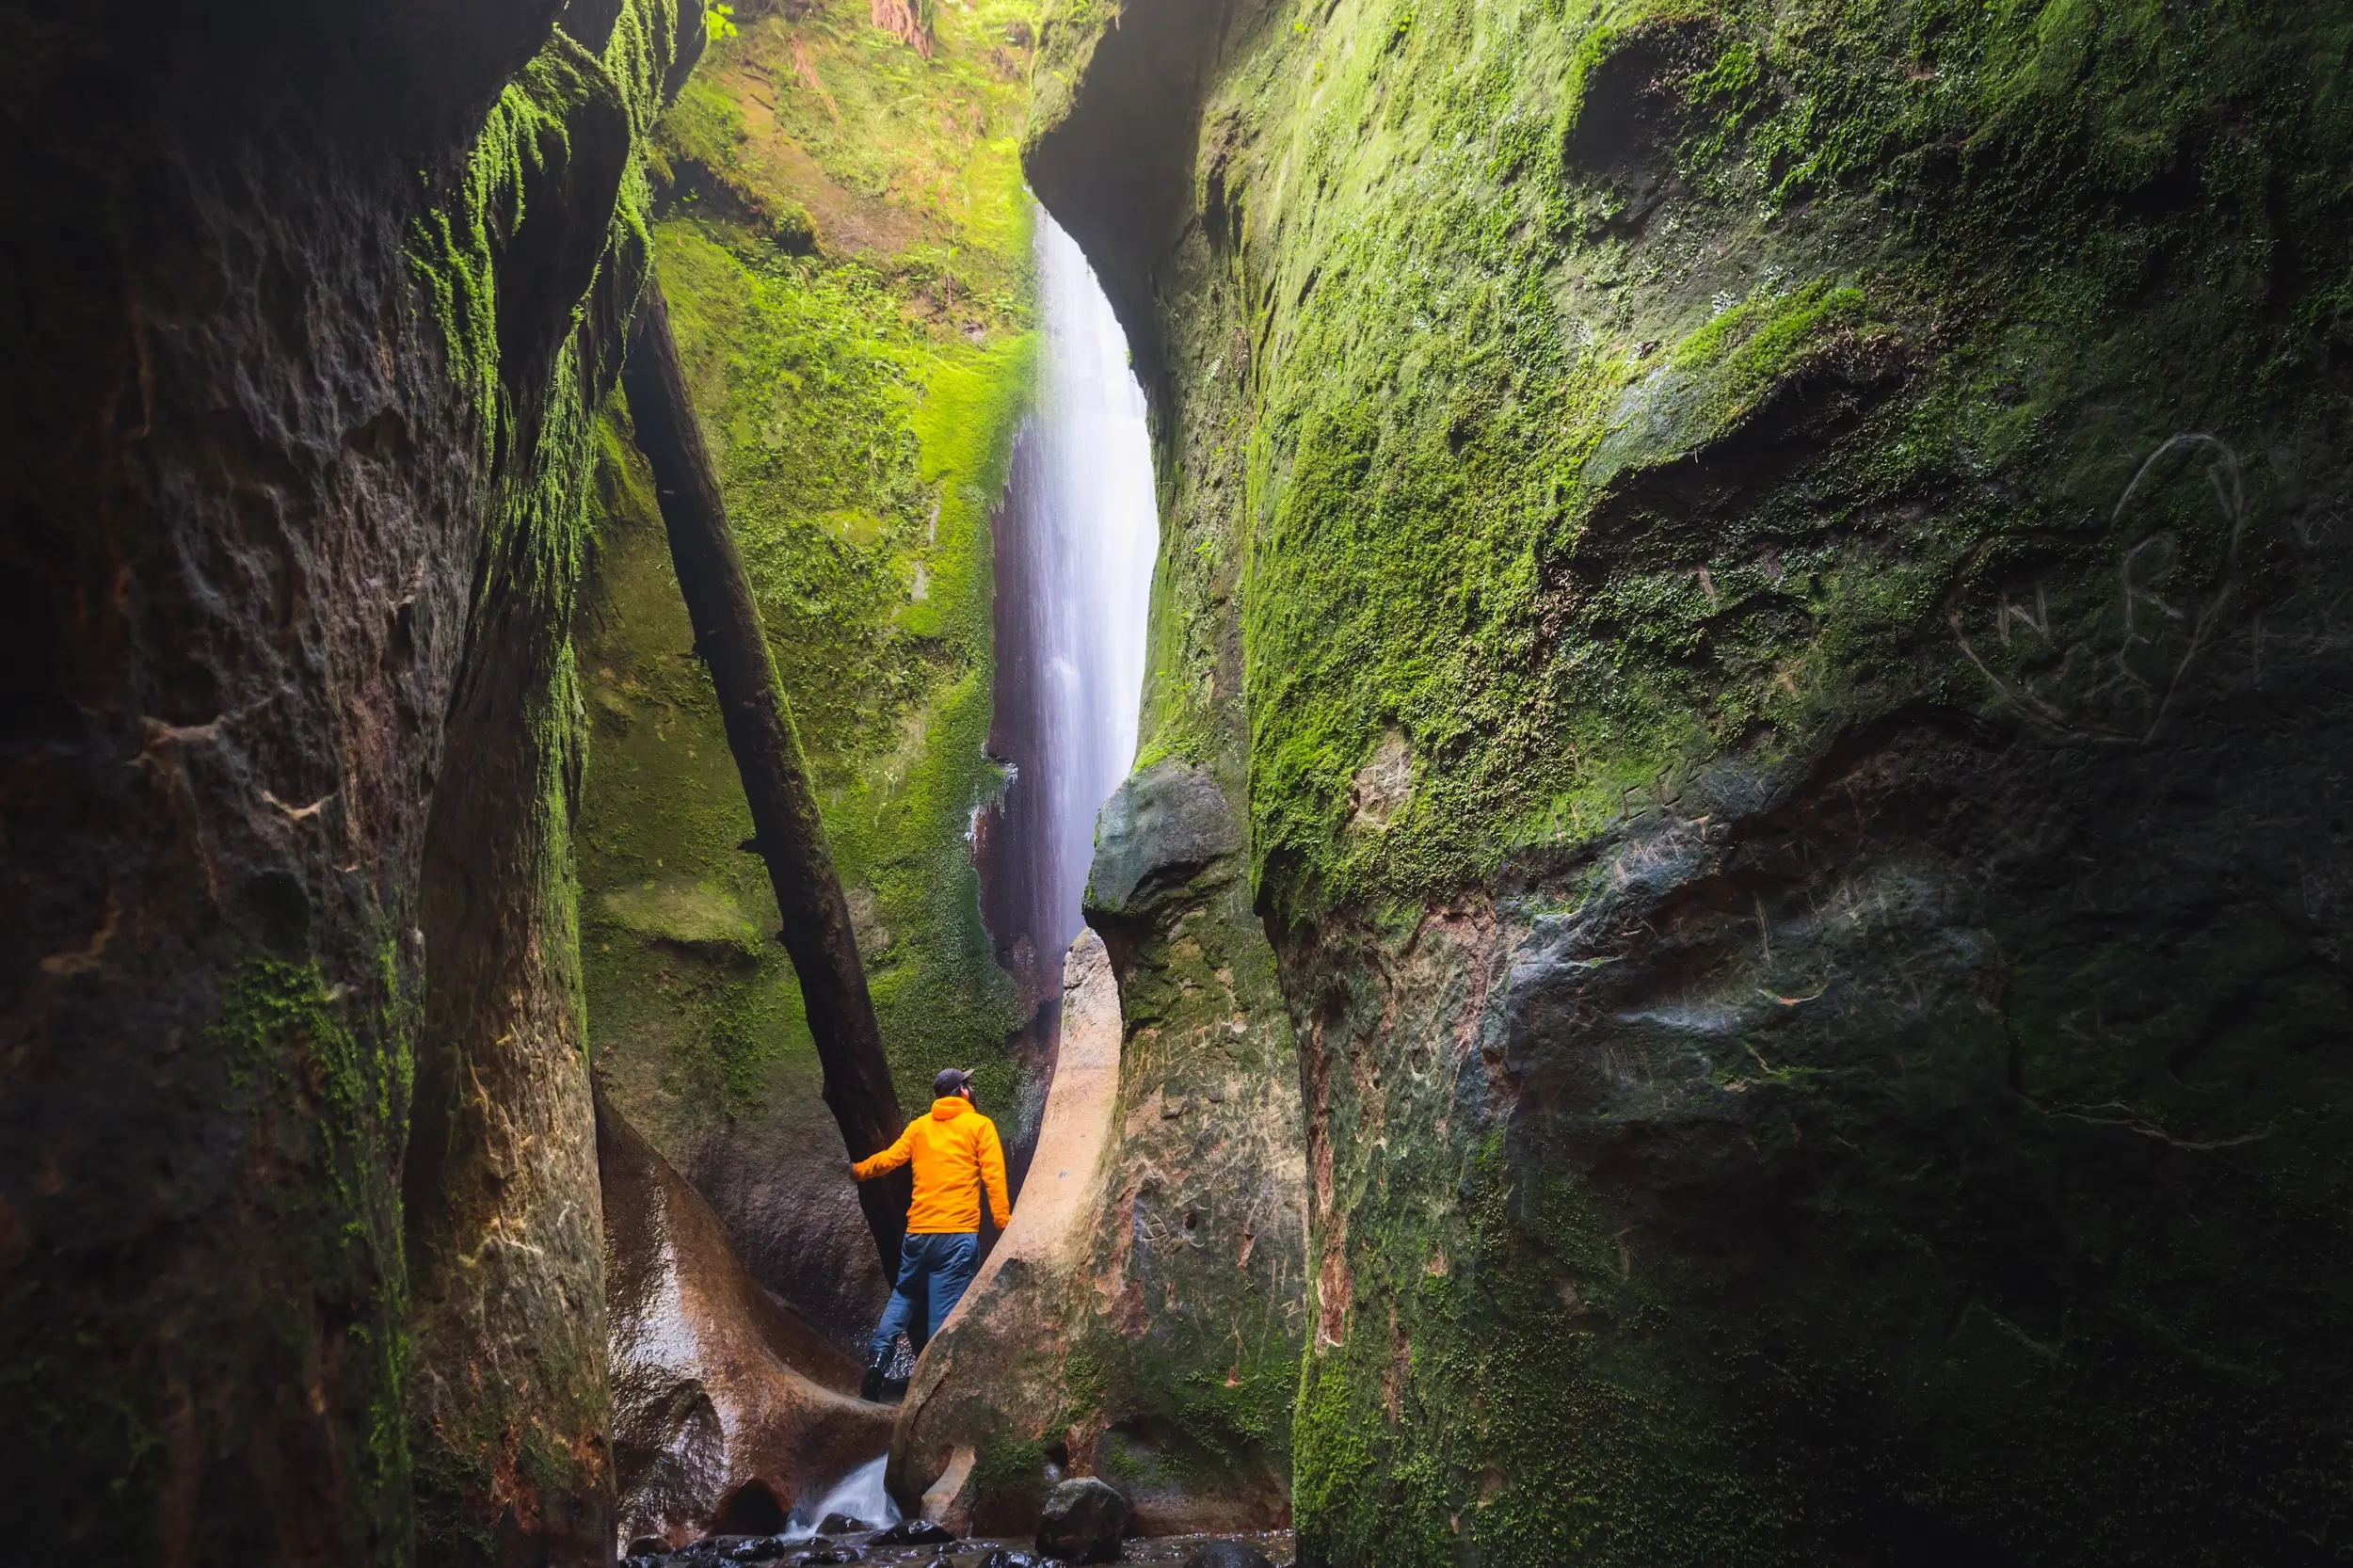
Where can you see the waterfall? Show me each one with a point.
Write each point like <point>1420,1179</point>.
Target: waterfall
<point>860,1495</point>
<point>1075,538</point>
<point>1100,535</point>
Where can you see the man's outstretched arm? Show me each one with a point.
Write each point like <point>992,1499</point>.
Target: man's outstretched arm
<point>890,1158</point>
<point>993,1176</point>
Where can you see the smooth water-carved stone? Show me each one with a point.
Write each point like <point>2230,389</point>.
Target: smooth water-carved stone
<point>717,1419</point>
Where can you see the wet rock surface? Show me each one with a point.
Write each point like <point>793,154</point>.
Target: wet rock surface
<point>1082,1521</point>
<point>720,1416</point>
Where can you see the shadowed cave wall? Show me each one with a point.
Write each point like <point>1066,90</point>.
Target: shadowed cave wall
<point>1763,581</point>
<point>306,311</point>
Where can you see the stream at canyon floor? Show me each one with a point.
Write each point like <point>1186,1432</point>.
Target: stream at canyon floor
<point>818,1551</point>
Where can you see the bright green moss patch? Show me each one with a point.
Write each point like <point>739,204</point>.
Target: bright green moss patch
<point>905,161</point>
<point>860,395</point>
<point>867,548</point>
<point>1507,394</point>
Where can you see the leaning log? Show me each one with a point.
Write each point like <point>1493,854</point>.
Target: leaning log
<point>787,832</point>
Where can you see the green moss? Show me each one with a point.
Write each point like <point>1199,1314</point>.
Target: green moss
<point>860,403</point>
<point>908,162</point>
<point>1486,373</point>
<point>1803,392</point>
<point>860,465</point>
<point>287,1041</point>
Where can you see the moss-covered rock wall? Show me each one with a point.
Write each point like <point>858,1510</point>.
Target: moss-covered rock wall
<point>310,307</point>
<point>1763,577</point>
<point>534,262</point>
<point>844,247</point>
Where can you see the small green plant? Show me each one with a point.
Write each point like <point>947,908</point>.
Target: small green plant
<point>719,21</point>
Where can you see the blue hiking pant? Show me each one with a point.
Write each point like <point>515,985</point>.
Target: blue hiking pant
<point>946,1261</point>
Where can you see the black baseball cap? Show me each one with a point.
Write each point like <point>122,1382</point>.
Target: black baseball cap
<point>951,1081</point>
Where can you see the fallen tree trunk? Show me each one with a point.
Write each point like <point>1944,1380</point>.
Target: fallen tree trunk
<point>789,835</point>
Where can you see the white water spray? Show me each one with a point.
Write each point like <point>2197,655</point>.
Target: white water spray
<point>859,1495</point>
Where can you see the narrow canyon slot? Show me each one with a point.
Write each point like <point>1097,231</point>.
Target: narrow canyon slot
<point>1229,783</point>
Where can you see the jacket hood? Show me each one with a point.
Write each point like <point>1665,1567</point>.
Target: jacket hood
<point>951,1108</point>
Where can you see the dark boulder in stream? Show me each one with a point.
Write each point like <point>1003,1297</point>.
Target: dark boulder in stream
<point>1084,1521</point>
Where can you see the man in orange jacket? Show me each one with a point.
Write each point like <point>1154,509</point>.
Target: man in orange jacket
<point>956,1154</point>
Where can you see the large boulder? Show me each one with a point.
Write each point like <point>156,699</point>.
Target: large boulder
<point>1084,1521</point>
<point>1160,826</point>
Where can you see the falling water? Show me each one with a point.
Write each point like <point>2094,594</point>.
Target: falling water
<point>1074,540</point>
<point>1101,532</point>
<point>860,1495</point>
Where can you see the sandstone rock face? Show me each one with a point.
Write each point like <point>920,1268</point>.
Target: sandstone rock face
<point>1142,1319</point>
<point>508,1414</point>
<point>719,1392</point>
<point>997,1376</point>
<point>312,306</point>
<point>1764,579</point>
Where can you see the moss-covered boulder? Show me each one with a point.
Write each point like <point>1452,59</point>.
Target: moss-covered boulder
<point>1764,577</point>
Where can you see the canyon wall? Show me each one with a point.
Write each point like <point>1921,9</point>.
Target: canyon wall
<point>300,1235</point>
<point>1149,1333</point>
<point>1759,583</point>
<point>843,242</point>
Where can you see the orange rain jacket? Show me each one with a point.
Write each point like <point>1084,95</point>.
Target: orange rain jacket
<point>951,1147</point>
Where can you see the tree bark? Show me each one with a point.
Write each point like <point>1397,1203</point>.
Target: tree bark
<point>789,836</point>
